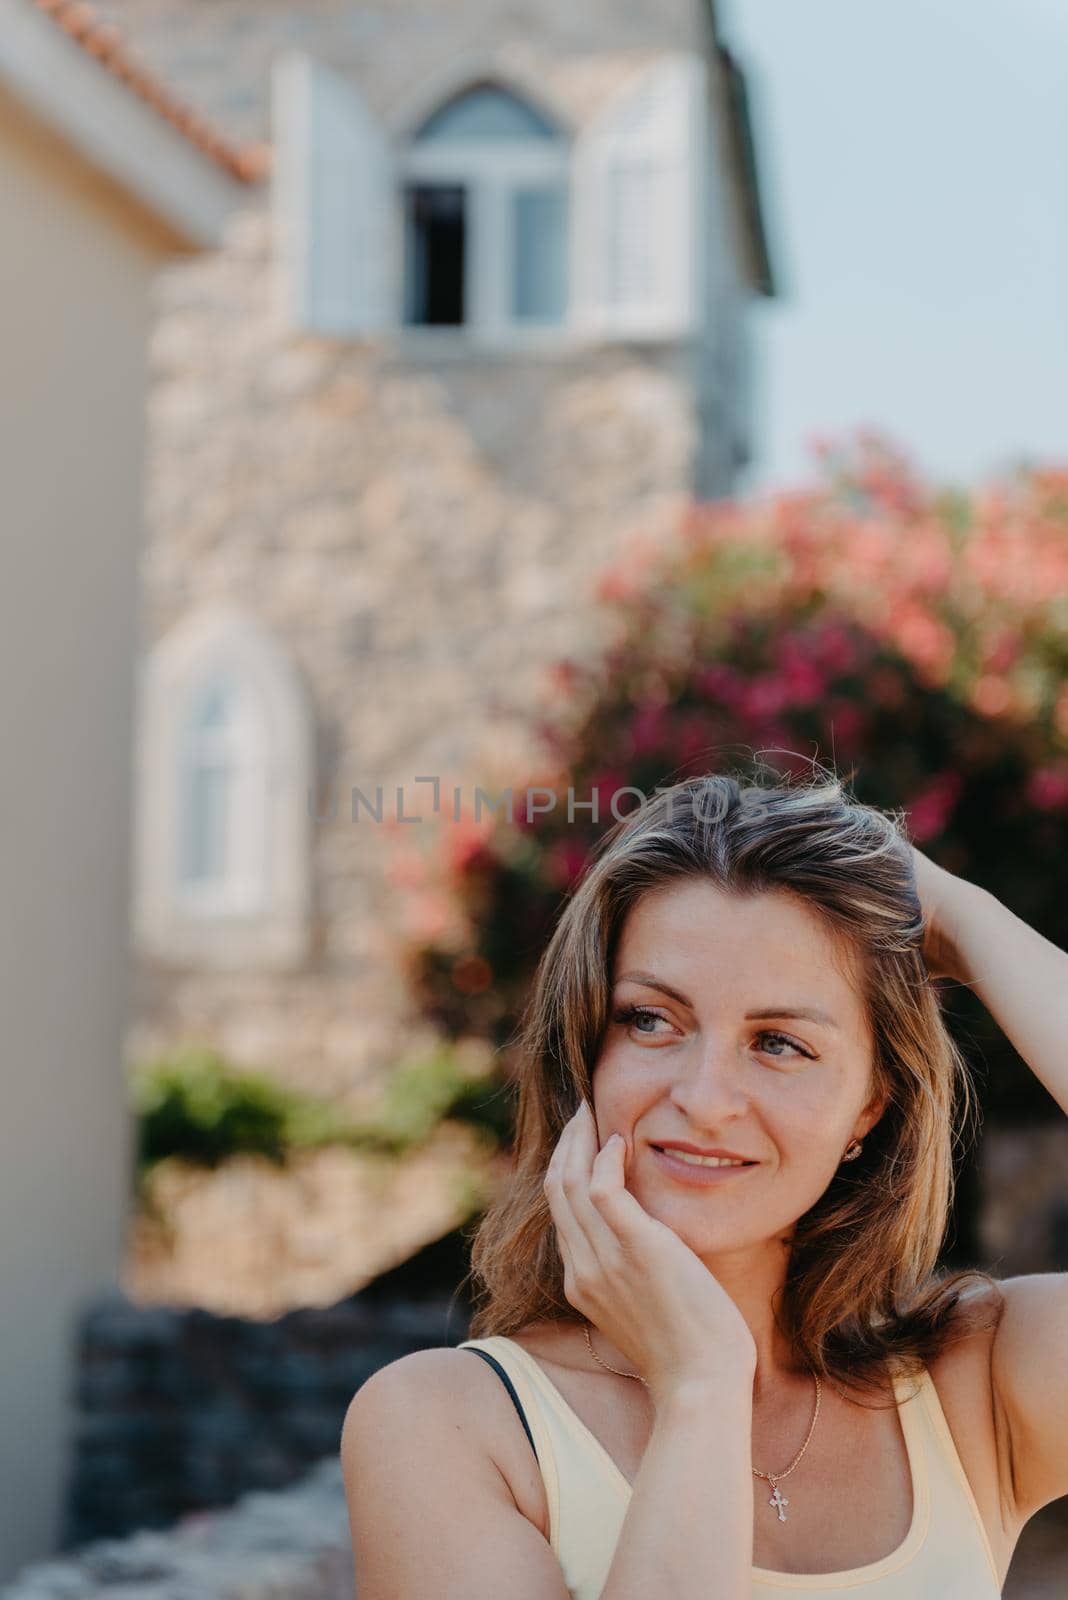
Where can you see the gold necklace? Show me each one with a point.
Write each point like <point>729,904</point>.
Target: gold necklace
<point>778,1500</point>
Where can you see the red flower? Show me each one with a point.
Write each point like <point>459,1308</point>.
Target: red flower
<point>765,697</point>
<point>804,682</point>
<point>472,974</point>
<point>721,682</point>
<point>835,648</point>
<point>844,722</point>
<point>1048,787</point>
<point>564,861</point>
<point>932,807</point>
<point>466,847</point>
<point>647,729</point>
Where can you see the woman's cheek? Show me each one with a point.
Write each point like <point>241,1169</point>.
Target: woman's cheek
<point>796,1121</point>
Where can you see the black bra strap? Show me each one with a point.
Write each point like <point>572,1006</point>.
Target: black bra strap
<point>506,1380</point>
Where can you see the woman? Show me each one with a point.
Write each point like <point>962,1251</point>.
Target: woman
<point>705,1381</point>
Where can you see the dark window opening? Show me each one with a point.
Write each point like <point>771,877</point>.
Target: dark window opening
<point>436,230</point>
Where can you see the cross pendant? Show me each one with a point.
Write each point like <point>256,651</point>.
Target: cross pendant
<point>778,1500</point>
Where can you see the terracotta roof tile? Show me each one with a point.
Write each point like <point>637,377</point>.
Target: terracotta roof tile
<point>246,162</point>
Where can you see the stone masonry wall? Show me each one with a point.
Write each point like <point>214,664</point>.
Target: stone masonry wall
<point>422,529</point>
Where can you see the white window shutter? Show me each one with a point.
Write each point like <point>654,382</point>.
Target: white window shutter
<point>640,206</point>
<point>332,201</point>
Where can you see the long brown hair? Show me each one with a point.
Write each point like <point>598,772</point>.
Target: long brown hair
<point>863,1287</point>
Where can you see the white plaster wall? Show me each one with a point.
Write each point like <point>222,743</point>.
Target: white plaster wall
<point>75,267</point>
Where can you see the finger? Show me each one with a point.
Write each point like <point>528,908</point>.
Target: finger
<point>552,1182</point>
<point>580,1156</point>
<point>625,1216</point>
<point>594,1238</point>
<point>567,1183</point>
<point>569,1238</point>
<point>577,1158</point>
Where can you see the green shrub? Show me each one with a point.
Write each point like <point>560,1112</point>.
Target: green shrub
<point>427,1089</point>
<point>193,1105</point>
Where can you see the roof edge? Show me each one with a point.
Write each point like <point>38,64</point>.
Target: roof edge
<point>146,155</point>
<point>247,163</point>
<point>741,150</point>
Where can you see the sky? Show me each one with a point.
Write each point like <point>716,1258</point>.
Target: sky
<point>913,156</point>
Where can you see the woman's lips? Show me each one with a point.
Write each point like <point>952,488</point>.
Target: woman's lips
<point>698,1176</point>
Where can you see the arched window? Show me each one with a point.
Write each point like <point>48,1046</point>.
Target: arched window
<point>223,822</point>
<point>223,862</point>
<point>486,215</point>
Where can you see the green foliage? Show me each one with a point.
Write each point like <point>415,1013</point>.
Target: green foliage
<point>425,1090</point>
<point>193,1105</point>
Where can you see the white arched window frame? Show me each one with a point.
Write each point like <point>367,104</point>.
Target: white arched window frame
<point>224,767</point>
<point>512,168</point>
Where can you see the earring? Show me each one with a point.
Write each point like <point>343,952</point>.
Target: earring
<point>851,1153</point>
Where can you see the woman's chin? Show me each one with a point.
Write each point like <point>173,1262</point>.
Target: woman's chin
<point>687,1214</point>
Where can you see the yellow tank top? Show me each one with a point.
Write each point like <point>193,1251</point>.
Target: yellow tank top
<point>946,1554</point>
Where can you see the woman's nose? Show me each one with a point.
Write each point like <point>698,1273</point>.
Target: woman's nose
<point>711,1090</point>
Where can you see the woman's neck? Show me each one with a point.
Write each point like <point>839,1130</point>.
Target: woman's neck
<point>755,1279</point>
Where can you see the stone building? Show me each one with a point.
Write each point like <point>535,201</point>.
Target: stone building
<point>485,320</point>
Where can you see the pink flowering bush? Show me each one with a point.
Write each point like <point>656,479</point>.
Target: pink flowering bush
<point>915,639</point>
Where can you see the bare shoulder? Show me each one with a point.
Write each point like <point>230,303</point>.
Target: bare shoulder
<point>434,1395</point>
<point>425,1456</point>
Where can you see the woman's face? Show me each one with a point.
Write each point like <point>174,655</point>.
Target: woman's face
<point>714,1058</point>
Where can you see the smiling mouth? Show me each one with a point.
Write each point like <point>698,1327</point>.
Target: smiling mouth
<point>685,1159</point>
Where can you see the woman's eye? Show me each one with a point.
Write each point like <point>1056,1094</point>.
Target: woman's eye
<point>783,1038</point>
<point>630,1015</point>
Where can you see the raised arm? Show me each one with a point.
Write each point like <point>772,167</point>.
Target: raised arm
<point>1022,979</point>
